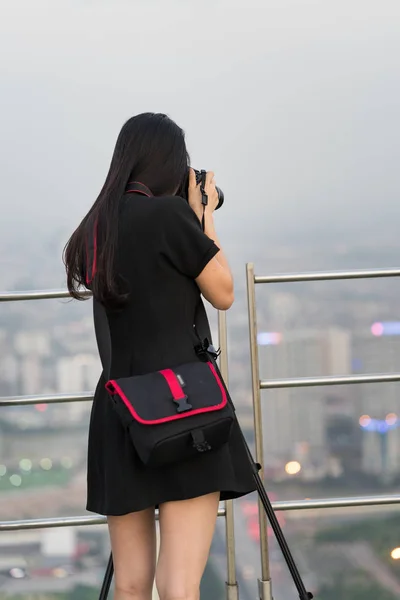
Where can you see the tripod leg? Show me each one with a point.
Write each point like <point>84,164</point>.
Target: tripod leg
<point>303,594</point>
<point>105,588</point>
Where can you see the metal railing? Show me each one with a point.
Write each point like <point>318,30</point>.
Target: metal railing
<point>37,295</point>
<point>45,399</point>
<point>288,505</point>
<point>226,511</point>
<point>265,584</point>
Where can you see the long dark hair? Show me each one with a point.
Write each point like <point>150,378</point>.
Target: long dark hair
<point>150,149</point>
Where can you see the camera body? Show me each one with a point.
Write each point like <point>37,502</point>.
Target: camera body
<point>201,179</point>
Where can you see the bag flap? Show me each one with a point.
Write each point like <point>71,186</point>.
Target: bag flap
<point>171,394</point>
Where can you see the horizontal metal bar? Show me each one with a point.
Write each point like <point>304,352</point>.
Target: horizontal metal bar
<point>45,399</point>
<point>264,385</point>
<point>336,502</point>
<point>278,278</point>
<point>326,276</point>
<point>64,522</point>
<point>273,384</point>
<point>281,505</point>
<point>50,523</point>
<point>38,295</point>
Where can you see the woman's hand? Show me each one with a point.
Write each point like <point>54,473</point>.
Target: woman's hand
<point>195,194</point>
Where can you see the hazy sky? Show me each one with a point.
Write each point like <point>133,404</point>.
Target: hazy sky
<point>293,103</point>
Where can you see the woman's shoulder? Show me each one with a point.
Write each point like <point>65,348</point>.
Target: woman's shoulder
<point>158,211</point>
<point>172,205</point>
<point>175,213</point>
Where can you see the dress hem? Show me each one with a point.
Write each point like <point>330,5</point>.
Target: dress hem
<point>224,495</point>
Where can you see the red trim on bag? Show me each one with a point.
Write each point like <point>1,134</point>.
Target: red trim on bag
<point>110,387</point>
<point>113,388</point>
<point>173,384</point>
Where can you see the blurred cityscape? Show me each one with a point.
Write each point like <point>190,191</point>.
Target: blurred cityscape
<point>318,442</point>
<point>294,105</point>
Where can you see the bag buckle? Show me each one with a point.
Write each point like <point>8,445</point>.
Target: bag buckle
<point>206,349</point>
<point>199,441</point>
<point>214,353</point>
<point>182,404</point>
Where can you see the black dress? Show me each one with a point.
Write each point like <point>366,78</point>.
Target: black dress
<point>161,250</point>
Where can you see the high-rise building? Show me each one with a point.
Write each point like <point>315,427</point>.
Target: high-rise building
<point>378,405</point>
<point>78,373</point>
<point>31,347</point>
<point>294,418</point>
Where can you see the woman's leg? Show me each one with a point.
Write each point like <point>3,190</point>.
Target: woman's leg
<point>133,544</point>
<point>186,532</point>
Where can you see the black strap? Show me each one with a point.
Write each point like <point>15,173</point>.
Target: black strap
<point>135,187</point>
<point>204,196</point>
<point>103,336</point>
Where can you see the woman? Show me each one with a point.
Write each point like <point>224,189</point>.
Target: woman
<point>151,263</point>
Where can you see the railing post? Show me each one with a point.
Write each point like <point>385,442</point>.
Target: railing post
<point>232,588</point>
<point>264,584</point>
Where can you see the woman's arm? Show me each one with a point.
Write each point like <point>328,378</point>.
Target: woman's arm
<point>216,281</point>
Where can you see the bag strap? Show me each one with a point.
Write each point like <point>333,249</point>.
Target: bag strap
<point>136,187</point>
<point>103,337</point>
<point>202,331</point>
<point>103,334</point>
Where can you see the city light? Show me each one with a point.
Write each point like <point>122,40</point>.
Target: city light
<point>17,573</point>
<point>66,462</point>
<point>46,464</point>
<point>293,467</point>
<point>391,419</point>
<point>41,407</point>
<point>25,464</point>
<point>387,328</point>
<point>266,338</point>
<point>377,329</point>
<point>60,573</point>
<point>395,553</point>
<point>380,425</point>
<point>365,420</point>
<point>3,470</point>
<point>16,480</point>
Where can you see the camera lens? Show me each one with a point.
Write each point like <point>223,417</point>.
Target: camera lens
<point>221,197</point>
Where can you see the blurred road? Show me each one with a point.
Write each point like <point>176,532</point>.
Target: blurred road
<point>248,568</point>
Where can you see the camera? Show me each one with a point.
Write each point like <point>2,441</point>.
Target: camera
<point>201,179</point>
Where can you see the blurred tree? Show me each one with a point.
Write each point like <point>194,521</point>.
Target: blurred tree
<point>212,587</point>
<point>83,593</point>
<point>354,588</point>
